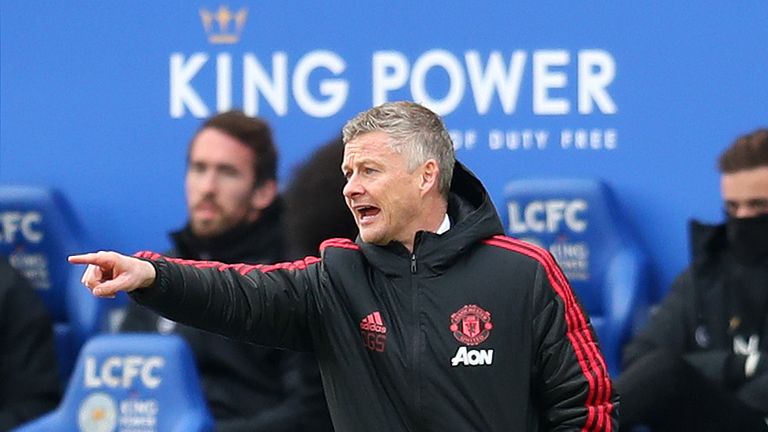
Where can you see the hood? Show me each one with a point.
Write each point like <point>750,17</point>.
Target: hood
<point>473,218</point>
<point>707,243</point>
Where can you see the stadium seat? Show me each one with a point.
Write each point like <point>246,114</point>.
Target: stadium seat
<point>579,222</point>
<point>131,382</point>
<point>37,233</point>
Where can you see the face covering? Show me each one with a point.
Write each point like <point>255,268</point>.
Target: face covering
<point>748,239</point>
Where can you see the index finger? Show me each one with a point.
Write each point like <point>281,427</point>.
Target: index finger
<point>88,258</point>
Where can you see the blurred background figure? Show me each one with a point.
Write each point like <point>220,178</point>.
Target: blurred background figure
<point>315,207</point>
<point>234,216</point>
<point>702,361</point>
<point>29,380</point>
<point>316,211</point>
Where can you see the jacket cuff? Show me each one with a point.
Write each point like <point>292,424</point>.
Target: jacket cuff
<point>151,294</point>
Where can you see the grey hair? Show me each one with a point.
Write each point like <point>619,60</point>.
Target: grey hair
<point>414,131</point>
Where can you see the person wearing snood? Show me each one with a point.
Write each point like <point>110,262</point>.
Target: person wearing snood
<point>701,362</point>
<point>235,215</point>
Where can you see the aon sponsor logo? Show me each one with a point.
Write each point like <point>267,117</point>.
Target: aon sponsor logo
<point>473,357</point>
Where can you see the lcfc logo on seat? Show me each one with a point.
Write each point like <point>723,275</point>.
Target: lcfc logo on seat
<point>97,413</point>
<point>123,371</point>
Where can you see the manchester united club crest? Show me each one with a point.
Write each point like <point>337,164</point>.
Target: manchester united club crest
<point>471,325</point>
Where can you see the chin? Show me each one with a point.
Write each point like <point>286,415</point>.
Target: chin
<point>369,238</point>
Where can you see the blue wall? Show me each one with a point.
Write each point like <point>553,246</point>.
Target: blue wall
<point>100,98</point>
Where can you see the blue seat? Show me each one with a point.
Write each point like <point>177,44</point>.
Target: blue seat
<point>579,222</point>
<point>146,382</point>
<point>37,232</point>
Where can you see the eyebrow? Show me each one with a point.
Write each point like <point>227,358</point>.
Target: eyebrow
<point>361,161</point>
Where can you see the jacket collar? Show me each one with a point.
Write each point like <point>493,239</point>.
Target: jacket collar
<point>473,219</point>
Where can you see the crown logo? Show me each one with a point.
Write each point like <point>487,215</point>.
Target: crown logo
<point>223,26</point>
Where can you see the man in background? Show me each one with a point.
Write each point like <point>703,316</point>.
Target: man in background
<point>235,216</point>
<point>702,361</point>
<point>29,379</point>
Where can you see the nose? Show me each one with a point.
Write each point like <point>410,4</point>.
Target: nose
<point>743,212</point>
<point>210,181</point>
<point>204,182</point>
<point>746,211</point>
<point>353,188</point>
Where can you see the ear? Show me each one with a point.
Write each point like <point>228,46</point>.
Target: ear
<point>263,196</point>
<point>430,172</point>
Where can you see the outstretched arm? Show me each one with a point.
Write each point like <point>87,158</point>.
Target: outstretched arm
<point>110,272</point>
<point>264,304</point>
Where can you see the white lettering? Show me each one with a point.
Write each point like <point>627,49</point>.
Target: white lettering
<point>472,357</point>
<point>182,93</point>
<point>223,82</point>
<point>26,223</point>
<point>583,139</point>
<point>544,79</point>
<point>256,81</point>
<point>144,407</point>
<point>484,82</point>
<point>466,139</point>
<point>491,78</point>
<point>525,139</point>
<point>390,72</point>
<point>119,371</point>
<point>91,380</point>
<point>447,61</point>
<point>547,216</point>
<point>335,89</point>
<point>592,83</point>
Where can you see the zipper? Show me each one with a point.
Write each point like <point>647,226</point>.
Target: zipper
<point>417,340</point>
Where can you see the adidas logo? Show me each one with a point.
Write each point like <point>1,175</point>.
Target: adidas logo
<point>374,332</point>
<point>373,323</point>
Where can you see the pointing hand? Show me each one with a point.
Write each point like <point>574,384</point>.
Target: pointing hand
<point>110,272</point>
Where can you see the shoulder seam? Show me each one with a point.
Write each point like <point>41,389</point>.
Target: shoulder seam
<point>343,243</point>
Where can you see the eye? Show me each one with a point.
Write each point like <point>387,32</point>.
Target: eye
<point>229,171</point>
<point>196,167</point>
<point>368,171</point>
<point>759,205</point>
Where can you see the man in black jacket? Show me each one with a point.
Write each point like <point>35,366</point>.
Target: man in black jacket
<point>431,321</point>
<point>234,216</point>
<point>702,361</point>
<point>29,380</point>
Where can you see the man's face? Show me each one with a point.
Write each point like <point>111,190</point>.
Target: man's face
<point>383,197</point>
<point>745,193</point>
<point>219,183</point>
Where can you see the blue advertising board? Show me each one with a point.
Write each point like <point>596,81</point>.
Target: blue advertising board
<point>99,99</point>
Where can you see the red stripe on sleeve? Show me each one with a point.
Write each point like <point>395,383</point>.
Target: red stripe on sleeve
<point>148,255</point>
<point>240,268</point>
<point>585,347</point>
<point>339,243</point>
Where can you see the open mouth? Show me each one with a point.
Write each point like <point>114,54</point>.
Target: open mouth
<point>367,213</point>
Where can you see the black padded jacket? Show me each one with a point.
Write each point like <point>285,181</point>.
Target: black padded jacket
<point>473,331</point>
<point>694,319</point>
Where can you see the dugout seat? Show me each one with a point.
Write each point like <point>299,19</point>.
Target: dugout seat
<point>37,232</point>
<point>131,382</point>
<point>579,222</point>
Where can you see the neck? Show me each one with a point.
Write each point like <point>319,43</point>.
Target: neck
<point>432,218</point>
